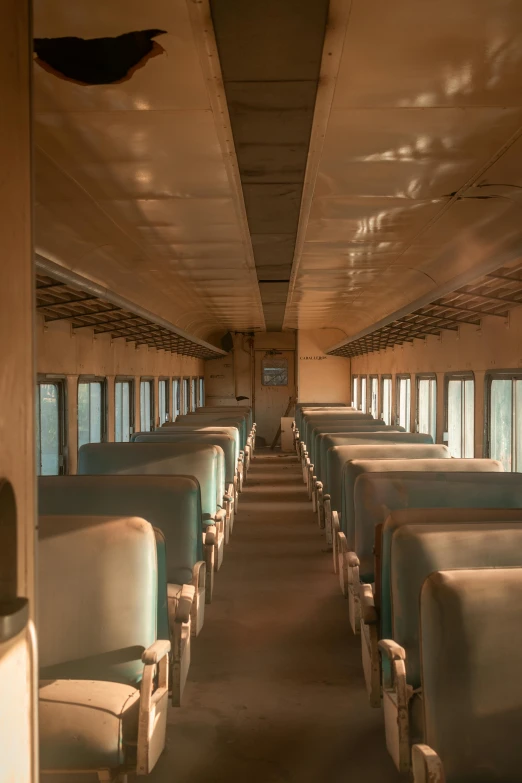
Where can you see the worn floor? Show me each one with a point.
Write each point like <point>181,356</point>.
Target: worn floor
<point>275,692</point>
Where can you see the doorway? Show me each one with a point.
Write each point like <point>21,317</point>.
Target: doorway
<point>274,386</point>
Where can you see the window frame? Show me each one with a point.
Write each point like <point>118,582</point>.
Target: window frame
<point>402,376</point>
<point>277,356</point>
<point>168,385</point>
<point>193,393</point>
<point>63,441</point>
<point>185,398</point>
<point>104,405</point>
<point>501,375</point>
<point>355,387</point>
<point>175,414</point>
<point>464,375</point>
<point>385,377</point>
<point>426,376</point>
<point>132,403</point>
<point>371,379</point>
<point>201,390</point>
<point>150,380</point>
<point>364,398</point>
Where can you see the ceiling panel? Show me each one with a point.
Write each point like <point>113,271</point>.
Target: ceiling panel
<point>412,135</point>
<point>135,186</point>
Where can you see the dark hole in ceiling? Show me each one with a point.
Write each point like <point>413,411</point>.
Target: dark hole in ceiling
<point>97,60</point>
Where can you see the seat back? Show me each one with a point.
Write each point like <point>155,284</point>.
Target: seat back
<point>370,508</point>
<point>170,503</point>
<point>319,437</point>
<point>427,540</point>
<point>302,408</point>
<point>203,461</point>
<point>471,638</point>
<point>316,420</point>
<point>198,420</point>
<point>97,597</point>
<point>244,410</point>
<point>338,456</point>
<point>169,435</point>
<point>344,425</point>
<point>177,429</point>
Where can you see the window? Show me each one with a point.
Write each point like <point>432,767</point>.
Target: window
<point>427,406</point>
<point>201,399</point>
<point>404,401</point>
<point>123,410</point>
<point>505,420</point>
<point>355,392</point>
<point>193,394</point>
<point>374,396</point>
<point>50,427</point>
<point>146,405</point>
<point>460,415</point>
<point>364,394</point>
<point>275,371</point>
<point>386,399</point>
<point>163,396</point>
<point>91,411</point>
<point>186,396</point>
<point>176,398</point>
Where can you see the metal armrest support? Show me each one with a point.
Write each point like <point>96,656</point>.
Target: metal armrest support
<point>342,549</point>
<point>209,549</point>
<point>399,693</point>
<point>197,613</point>
<point>426,765</point>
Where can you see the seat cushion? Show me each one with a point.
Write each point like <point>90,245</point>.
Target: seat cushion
<point>86,724</point>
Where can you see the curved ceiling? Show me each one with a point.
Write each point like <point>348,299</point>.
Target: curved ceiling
<point>136,182</point>
<point>415,166</point>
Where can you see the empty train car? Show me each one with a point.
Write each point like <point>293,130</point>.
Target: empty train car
<point>261,391</point>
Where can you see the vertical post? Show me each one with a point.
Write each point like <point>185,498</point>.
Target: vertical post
<point>441,412</point>
<point>480,403</point>
<point>18,665</point>
<point>72,424</point>
<point>111,380</point>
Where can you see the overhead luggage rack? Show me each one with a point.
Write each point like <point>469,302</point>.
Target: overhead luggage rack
<point>494,294</point>
<point>67,297</point>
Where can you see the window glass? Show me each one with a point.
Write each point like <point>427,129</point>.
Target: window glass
<point>374,397</point>
<point>163,399</point>
<point>91,414</point>
<point>186,395</point>
<point>49,406</point>
<point>275,371</point>
<point>404,402</point>
<point>193,393</point>
<point>461,417</point>
<point>501,421</point>
<point>427,406</point>
<point>364,395</point>
<point>201,391</point>
<point>123,413</point>
<point>387,400</point>
<point>355,389</point>
<point>146,406</point>
<point>176,398</point>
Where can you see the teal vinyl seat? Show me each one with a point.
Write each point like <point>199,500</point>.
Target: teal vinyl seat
<point>204,461</point>
<point>376,495</point>
<point>178,429</point>
<point>173,505</point>
<point>333,459</point>
<point>311,420</point>
<point>221,420</point>
<point>245,410</point>
<point>103,690</point>
<point>223,440</point>
<point>341,478</point>
<point>471,637</point>
<point>421,541</point>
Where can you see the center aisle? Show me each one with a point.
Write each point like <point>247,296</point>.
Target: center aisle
<point>276,691</point>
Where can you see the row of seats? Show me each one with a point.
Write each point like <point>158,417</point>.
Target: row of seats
<point>128,553</point>
<point>428,551</point>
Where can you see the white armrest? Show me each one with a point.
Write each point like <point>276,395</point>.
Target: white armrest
<point>368,610</point>
<point>185,604</point>
<point>426,765</point>
<point>153,654</point>
<point>152,719</point>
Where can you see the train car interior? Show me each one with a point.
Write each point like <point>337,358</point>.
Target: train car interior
<point>261,384</point>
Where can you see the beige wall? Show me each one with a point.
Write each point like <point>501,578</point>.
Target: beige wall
<point>496,346</point>
<point>321,378</point>
<point>67,354</point>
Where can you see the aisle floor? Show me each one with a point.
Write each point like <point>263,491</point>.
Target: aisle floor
<point>275,692</point>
